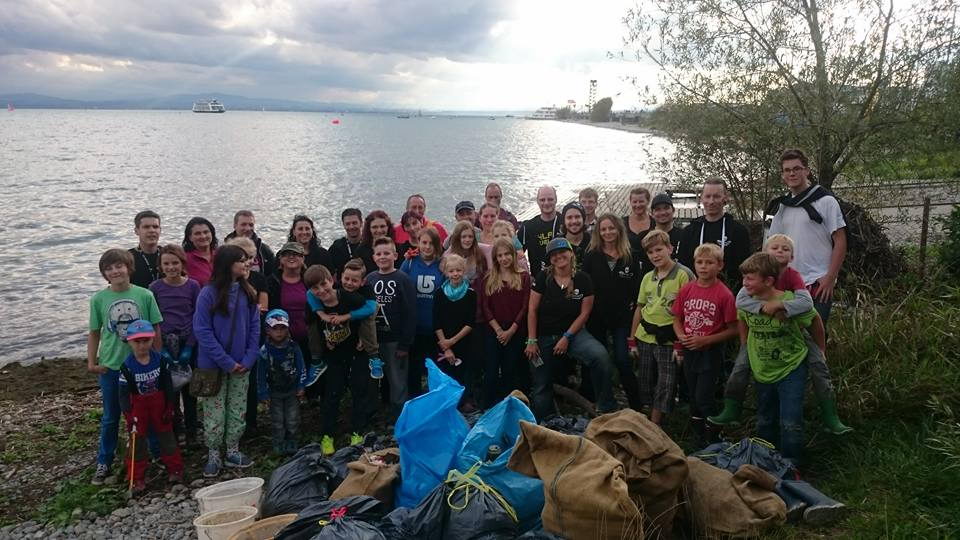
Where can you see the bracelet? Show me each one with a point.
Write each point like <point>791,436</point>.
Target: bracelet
<point>631,342</point>
<point>531,341</point>
<point>568,334</point>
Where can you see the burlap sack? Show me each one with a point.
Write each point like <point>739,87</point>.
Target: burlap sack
<point>742,504</point>
<point>586,496</point>
<point>655,466</point>
<point>521,396</point>
<point>366,478</point>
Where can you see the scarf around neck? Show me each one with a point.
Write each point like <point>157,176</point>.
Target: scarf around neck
<point>455,293</point>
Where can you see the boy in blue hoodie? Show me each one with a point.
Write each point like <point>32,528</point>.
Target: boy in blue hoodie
<point>281,379</point>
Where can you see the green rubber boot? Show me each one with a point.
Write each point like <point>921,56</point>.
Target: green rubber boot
<point>729,415</point>
<point>828,415</point>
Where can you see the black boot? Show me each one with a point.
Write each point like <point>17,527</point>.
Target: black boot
<point>698,428</point>
<point>795,505</point>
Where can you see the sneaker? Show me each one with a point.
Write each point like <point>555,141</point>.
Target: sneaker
<point>212,468</point>
<point>326,444</point>
<point>314,371</point>
<point>238,460</point>
<point>100,475</point>
<point>376,368</point>
<point>355,439</point>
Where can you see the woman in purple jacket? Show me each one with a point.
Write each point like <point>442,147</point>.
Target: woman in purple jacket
<point>227,327</point>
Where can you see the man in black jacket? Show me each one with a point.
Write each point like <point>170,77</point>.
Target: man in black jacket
<point>717,227</point>
<point>346,247</point>
<point>243,225</point>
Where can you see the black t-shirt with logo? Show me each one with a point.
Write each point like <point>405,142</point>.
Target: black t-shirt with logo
<point>535,234</point>
<point>559,307</point>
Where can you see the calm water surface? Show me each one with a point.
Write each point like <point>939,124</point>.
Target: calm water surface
<point>73,180</point>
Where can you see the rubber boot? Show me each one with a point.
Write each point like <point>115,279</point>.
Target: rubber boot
<point>729,415</point>
<point>795,505</point>
<point>828,415</point>
<point>821,509</point>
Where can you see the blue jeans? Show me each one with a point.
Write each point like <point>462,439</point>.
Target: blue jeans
<point>585,348</point>
<point>780,412</point>
<point>110,421</point>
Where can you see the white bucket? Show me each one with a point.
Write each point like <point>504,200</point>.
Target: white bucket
<point>230,494</point>
<point>222,524</point>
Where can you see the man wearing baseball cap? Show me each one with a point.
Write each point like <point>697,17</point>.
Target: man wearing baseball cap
<point>662,210</point>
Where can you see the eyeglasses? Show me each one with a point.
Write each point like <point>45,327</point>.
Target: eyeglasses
<point>793,170</point>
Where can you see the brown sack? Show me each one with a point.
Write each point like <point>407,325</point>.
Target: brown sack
<point>586,496</point>
<point>741,504</point>
<point>369,478</point>
<point>521,396</point>
<point>655,466</point>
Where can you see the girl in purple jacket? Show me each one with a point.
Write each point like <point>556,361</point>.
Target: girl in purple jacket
<point>227,327</point>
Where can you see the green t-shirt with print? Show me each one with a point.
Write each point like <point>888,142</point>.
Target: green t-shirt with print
<point>774,347</point>
<point>657,295</point>
<point>111,312</point>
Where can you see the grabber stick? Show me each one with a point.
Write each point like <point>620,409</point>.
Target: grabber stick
<point>133,452</point>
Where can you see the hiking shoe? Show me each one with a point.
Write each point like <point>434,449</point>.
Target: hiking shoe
<point>326,445</point>
<point>100,475</point>
<point>212,468</point>
<point>237,459</point>
<point>376,368</point>
<point>355,439</point>
<point>314,371</point>
<point>823,514</point>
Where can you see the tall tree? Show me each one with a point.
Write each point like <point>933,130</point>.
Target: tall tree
<point>742,79</point>
<point>601,110</point>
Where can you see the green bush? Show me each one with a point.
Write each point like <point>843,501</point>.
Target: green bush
<point>950,249</point>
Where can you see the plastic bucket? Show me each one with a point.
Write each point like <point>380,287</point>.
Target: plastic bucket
<point>230,494</point>
<point>265,529</point>
<point>222,524</point>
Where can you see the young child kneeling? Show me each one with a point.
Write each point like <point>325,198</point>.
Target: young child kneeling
<point>781,247</point>
<point>281,380</point>
<point>146,399</point>
<point>776,350</point>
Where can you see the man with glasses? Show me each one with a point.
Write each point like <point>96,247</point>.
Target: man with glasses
<point>494,195</point>
<point>810,215</point>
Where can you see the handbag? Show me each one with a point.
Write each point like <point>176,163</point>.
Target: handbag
<point>205,382</point>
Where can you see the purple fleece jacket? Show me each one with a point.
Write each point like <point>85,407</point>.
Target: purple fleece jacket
<point>213,329</point>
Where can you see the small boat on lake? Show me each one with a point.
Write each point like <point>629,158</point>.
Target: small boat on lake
<point>208,106</point>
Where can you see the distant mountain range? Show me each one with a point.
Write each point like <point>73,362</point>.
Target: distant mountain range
<point>184,102</point>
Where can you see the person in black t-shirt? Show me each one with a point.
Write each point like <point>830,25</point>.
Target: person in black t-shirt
<point>454,318</point>
<point>638,224</point>
<point>574,229</point>
<point>536,232</point>
<point>146,256</point>
<point>717,227</point>
<point>346,247</point>
<point>662,211</point>
<point>560,304</point>
<point>304,232</point>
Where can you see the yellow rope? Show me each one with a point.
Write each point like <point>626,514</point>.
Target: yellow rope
<point>470,479</point>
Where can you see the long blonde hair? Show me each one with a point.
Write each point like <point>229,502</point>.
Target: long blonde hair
<point>496,276</point>
<point>474,253</point>
<point>622,244</point>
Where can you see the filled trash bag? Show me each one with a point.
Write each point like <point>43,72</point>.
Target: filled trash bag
<point>373,474</point>
<point>585,490</point>
<point>300,482</point>
<point>719,504</point>
<point>569,425</point>
<point>350,518</point>
<point>499,429</point>
<point>462,508</point>
<point>655,466</point>
<point>341,460</point>
<point>429,431</point>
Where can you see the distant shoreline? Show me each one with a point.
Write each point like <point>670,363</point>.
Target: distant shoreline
<point>631,128</point>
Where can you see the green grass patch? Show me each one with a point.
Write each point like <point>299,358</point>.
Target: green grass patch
<point>928,165</point>
<point>77,493</point>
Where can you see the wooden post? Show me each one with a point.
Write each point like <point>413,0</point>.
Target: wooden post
<point>925,226</point>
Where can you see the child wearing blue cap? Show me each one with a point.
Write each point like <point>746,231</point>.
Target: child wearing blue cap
<point>281,379</point>
<point>146,398</point>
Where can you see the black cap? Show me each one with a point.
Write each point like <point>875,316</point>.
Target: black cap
<point>662,198</point>
<point>464,205</point>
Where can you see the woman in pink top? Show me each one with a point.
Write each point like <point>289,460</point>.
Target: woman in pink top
<point>199,243</point>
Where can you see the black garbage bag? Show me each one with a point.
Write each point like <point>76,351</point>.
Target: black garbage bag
<point>340,459</point>
<point>540,534</point>
<point>568,425</point>
<point>300,482</point>
<point>461,508</point>
<point>349,518</point>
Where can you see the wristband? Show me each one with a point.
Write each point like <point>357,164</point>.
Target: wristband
<point>531,341</point>
<point>568,334</point>
<point>631,342</point>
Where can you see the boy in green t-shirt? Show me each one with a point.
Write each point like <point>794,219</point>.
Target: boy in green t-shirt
<point>111,310</point>
<point>653,325</point>
<point>776,350</point>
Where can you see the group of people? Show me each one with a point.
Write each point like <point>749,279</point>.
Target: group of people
<point>498,305</point>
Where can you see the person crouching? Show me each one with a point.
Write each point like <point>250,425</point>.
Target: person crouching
<point>146,399</point>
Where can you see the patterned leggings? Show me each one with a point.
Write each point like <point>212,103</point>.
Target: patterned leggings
<point>223,421</point>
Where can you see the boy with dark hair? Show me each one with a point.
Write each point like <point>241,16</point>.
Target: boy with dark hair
<point>653,325</point>
<point>776,350</point>
<point>339,344</point>
<point>281,380</point>
<point>111,312</point>
<point>396,318</point>
<point>146,398</point>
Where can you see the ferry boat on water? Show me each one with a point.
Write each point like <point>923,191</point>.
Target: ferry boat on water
<point>544,113</point>
<point>208,106</point>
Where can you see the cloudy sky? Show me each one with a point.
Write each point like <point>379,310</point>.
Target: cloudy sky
<point>436,54</point>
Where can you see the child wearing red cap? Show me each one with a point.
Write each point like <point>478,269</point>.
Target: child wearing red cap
<point>146,399</point>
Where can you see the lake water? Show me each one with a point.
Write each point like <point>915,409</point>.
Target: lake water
<point>73,180</point>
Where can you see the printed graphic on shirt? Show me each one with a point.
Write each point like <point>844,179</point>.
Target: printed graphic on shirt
<point>386,289</point>
<point>122,312</point>
<point>699,316</point>
<point>625,273</point>
<point>336,334</point>
<point>146,381</point>
<point>426,285</point>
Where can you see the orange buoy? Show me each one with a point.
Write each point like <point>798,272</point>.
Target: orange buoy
<point>335,121</point>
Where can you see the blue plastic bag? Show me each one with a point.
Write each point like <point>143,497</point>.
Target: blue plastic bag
<point>430,431</point>
<point>501,426</point>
